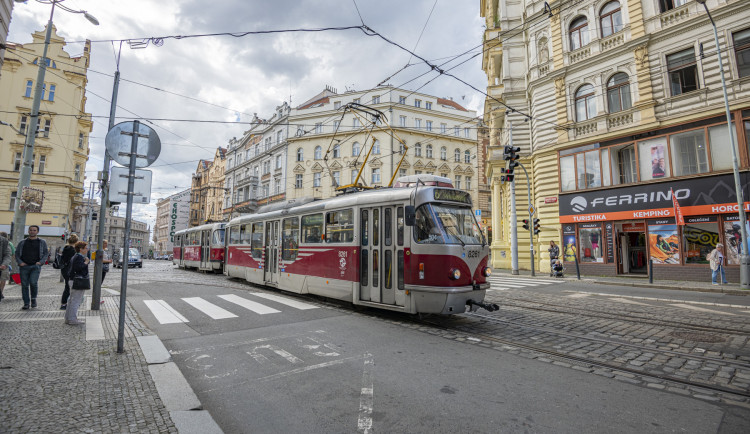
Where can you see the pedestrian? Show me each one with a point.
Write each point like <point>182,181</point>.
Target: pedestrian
<point>554,254</point>
<point>13,264</point>
<point>5,257</point>
<point>79,276</point>
<point>716,262</point>
<point>105,259</point>
<point>67,254</point>
<point>31,254</point>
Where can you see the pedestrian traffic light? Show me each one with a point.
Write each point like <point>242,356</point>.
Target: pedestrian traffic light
<point>63,237</point>
<point>507,175</point>
<point>537,227</point>
<point>526,224</point>
<point>93,216</point>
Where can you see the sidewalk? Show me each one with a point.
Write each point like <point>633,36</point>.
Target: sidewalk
<point>640,282</point>
<point>61,378</point>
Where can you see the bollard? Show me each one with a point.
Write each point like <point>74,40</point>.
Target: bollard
<point>578,270</point>
<point>650,271</point>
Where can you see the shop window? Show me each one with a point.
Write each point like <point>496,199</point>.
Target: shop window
<point>742,52</point>
<point>591,244</point>
<point>698,240</point>
<point>290,239</point>
<point>689,154</point>
<point>653,160</point>
<point>579,33</point>
<point>611,19</point>
<point>618,93</point>
<point>732,237</point>
<point>340,226</point>
<point>312,228</point>
<point>683,72</point>
<point>664,244</point>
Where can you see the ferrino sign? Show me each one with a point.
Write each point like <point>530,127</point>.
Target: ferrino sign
<point>697,196</point>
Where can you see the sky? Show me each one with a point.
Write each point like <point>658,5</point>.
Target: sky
<point>226,79</point>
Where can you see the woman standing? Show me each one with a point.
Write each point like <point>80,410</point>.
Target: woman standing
<point>67,254</point>
<point>554,254</point>
<point>79,275</point>
<point>716,258</point>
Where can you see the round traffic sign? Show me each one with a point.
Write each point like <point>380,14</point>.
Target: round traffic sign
<point>119,142</point>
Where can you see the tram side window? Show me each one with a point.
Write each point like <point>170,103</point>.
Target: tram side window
<point>340,226</point>
<point>290,239</point>
<point>234,235</point>
<point>245,234</point>
<point>312,228</point>
<point>256,241</point>
<point>400,226</point>
<point>388,227</point>
<point>218,237</point>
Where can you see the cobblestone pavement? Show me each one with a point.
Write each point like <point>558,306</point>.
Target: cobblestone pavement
<point>54,380</point>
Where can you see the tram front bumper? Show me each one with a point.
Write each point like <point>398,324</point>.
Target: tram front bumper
<point>447,300</point>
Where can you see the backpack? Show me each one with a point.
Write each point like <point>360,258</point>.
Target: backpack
<point>57,264</point>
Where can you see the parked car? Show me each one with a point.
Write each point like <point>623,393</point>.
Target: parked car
<point>134,258</point>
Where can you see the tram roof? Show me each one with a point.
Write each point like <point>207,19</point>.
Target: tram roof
<point>202,227</point>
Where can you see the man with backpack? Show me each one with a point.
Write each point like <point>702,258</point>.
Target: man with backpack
<point>31,254</point>
<point>67,254</point>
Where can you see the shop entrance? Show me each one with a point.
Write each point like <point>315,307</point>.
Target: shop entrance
<point>632,257</point>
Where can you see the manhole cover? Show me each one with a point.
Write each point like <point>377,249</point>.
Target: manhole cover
<point>698,336</point>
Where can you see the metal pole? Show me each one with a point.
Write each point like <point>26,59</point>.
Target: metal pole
<point>531,219</point>
<point>90,208</point>
<point>24,177</point>
<point>744,257</point>
<point>96,295</point>
<point>513,218</point>
<point>126,246</point>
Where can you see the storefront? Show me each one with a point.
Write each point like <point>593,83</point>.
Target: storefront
<point>617,231</point>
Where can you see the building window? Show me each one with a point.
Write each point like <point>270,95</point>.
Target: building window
<point>591,244</point>
<point>336,151</point>
<point>300,130</point>
<point>29,87</point>
<point>300,154</point>
<point>618,93</point>
<point>468,182</point>
<point>316,179</point>
<point>318,128</point>
<point>417,172</point>
<point>443,128</point>
<point>42,163</point>
<point>278,161</point>
<point>443,153</point>
<point>418,124</point>
<point>666,5</point>
<point>689,156</point>
<point>458,182</point>
<point>355,149</point>
<point>356,100</point>
<point>266,167</point>
<point>17,162</point>
<point>23,124</point>
<point>588,168</point>
<point>428,151</point>
<point>585,103</point>
<point>376,147</point>
<point>375,176</point>
<point>402,121</point>
<point>624,165</point>
<point>428,125</point>
<point>402,172</point>
<point>467,157</point>
<point>51,95</point>
<point>457,155</point>
<point>428,105</point>
<point>77,173</point>
<point>376,99</point>
<point>257,151</point>
<point>418,150</point>
<point>47,127</point>
<point>80,142</point>
<point>336,125</point>
<point>336,178</point>
<point>402,100</point>
<point>355,123</point>
<point>579,33</point>
<point>466,133</point>
<point>417,103</point>
<point>354,175</point>
<point>683,72</point>
<point>742,52</point>
<point>318,155</point>
<point>457,131</point>
<point>298,181</point>
<point>279,137</point>
<point>12,205</point>
<point>337,105</point>
<point>611,19</point>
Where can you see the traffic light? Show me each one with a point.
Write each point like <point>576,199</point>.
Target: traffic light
<point>526,224</point>
<point>507,175</point>
<point>93,216</point>
<point>511,158</point>
<point>63,237</point>
<point>537,227</point>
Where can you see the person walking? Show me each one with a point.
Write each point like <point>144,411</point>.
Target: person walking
<point>31,254</point>
<point>554,254</point>
<point>105,260</point>
<point>13,264</point>
<point>79,276</point>
<point>5,257</point>
<point>716,262</point>
<point>65,257</point>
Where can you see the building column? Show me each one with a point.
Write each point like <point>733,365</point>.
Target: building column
<point>496,209</point>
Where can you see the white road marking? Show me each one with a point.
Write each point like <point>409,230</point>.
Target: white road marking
<point>579,295</point>
<point>111,291</point>
<point>209,309</point>
<point>701,309</point>
<point>626,301</point>
<point>523,280</point>
<point>163,312</point>
<point>364,422</point>
<point>260,358</point>
<point>248,304</point>
<point>284,300</point>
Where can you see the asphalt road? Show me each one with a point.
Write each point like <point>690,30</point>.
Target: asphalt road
<point>260,363</point>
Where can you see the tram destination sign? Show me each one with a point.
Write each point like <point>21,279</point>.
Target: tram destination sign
<point>452,195</point>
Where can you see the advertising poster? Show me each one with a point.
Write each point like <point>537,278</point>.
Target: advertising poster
<point>733,240</point>
<point>569,243</point>
<point>657,161</point>
<point>664,244</point>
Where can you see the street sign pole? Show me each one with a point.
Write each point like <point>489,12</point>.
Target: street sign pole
<point>531,219</point>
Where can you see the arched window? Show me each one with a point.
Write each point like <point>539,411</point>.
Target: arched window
<point>579,33</point>
<point>318,153</point>
<point>618,93</point>
<point>418,150</point>
<point>300,155</point>
<point>443,153</point>
<point>457,155</point>
<point>585,103</point>
<point>336,151</point>
<point>611,19</point>
<point>376,147</point>
<point>355,149</point>
<point>428,151</point>
<point>467,157</point>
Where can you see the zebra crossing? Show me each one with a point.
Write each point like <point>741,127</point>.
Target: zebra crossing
<point>505,282</point>
<point>168,314</point>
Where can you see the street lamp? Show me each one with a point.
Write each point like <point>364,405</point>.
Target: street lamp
<point>744,256</point>
<point>24,180</point>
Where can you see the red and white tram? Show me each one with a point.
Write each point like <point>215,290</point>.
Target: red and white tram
<point>415,250</point>
<point>200,247</point>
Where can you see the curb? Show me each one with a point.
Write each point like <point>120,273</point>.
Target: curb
<point>658,286</point>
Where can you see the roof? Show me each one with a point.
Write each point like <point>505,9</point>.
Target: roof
<point>320,101</point>
<point>450,103</point>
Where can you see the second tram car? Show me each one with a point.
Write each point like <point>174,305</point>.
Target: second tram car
<point>415,250</point>
<point>200,247</point>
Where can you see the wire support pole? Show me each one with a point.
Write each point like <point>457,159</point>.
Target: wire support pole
<point>531,218</point>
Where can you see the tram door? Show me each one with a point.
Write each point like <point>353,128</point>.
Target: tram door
<point>378,264</point>
<point>205,249</point>
<point>272,252</point>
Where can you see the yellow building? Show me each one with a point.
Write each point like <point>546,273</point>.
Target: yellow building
<point>618,109</point>
<point>62,142</point>
<point>207,190</point>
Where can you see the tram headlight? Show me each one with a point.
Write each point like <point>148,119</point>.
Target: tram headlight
<point>486,271</point>
<point>455,274</point>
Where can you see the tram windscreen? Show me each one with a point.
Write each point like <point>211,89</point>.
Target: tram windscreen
<point>446,224</point>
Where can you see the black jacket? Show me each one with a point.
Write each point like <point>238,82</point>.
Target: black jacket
<point>78,267</point>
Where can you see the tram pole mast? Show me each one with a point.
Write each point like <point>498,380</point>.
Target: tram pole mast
<point>513,217</point>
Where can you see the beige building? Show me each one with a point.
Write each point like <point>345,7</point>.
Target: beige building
<point>618,109</point>
<point>197,193</point>
<point>6,8</point>
<point>62,142</point>
<point>330,144</point>
<point>172,215</point>
<point>207,190</point>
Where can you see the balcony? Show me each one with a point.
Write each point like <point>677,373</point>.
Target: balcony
<point>249,180</point>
